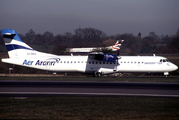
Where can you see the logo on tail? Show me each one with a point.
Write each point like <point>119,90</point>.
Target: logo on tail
<point>15,46</point>
<point>117,45</point>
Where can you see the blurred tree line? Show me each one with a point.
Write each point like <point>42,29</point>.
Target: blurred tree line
<point>91,37</point>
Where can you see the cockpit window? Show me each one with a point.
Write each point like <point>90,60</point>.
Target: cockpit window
<point>164,60</point>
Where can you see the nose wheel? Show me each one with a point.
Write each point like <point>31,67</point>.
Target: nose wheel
<point>166,73</point>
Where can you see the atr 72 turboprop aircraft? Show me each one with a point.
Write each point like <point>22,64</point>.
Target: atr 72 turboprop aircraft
<point>87,50</point>
<point>95,63</point>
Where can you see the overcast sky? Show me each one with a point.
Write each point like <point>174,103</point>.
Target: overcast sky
<point>111,16</point>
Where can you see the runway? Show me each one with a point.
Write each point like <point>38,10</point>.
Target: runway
<point>23,88</point>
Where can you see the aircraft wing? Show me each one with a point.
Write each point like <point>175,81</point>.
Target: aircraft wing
<point>102,56</point>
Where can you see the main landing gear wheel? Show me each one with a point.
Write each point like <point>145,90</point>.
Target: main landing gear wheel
<point>96,74</point>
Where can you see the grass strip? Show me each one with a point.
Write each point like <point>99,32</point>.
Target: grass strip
<point>89,108</point>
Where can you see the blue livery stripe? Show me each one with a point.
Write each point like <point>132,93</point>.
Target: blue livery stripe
<point>14,46</point>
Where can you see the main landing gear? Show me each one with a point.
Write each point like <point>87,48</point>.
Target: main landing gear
<point>97,74</point>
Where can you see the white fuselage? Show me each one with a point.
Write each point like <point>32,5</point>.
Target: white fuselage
<point>86,65</point>
<point>87,50</point>
<point>93,49</point>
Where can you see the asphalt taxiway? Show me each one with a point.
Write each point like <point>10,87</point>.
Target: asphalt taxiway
<point>23,88</point>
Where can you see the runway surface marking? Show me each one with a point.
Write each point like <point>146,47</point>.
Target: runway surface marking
<point>75,88</point>
<point>95,94</point>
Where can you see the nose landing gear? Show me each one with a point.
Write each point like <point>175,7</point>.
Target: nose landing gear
<point>166,73</point>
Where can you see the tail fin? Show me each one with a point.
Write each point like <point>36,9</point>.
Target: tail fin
<point>15,46</point>
<point>117,45</point>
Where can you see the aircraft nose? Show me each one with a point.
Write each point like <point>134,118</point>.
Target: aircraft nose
<point>175,67</point>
